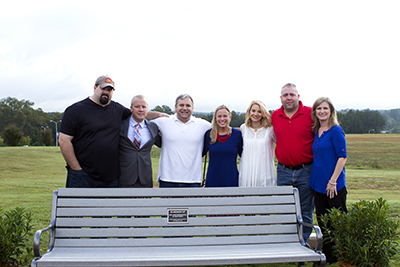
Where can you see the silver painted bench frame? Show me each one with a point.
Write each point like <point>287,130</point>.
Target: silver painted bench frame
<point>175,227</point>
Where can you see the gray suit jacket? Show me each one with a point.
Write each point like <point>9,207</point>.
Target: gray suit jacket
<point>135,163</point>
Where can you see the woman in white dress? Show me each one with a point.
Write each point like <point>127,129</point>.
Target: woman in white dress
<point>256,167</point>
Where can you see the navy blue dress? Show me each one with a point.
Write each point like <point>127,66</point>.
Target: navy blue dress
<point>222,167</point>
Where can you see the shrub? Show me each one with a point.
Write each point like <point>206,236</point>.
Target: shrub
<point>12,135</point>
<point>365,235</point>
<point>24,141</point>
<point>15,230</point>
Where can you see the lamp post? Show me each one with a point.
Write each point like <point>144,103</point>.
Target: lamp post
<point>56,122</point>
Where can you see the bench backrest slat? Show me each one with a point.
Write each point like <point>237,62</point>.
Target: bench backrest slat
<point>174,192</point>
<point>162,222</point>
<point>176,231</point>
<point>160,211</point>
<point>162,202</point>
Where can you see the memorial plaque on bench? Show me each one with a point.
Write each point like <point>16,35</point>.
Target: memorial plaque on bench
<point>178,215</point>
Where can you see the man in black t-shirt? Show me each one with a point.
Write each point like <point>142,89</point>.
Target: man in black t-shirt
<point>89,136</point>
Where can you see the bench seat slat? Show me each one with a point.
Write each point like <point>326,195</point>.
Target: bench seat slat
<point>154,222</point>
<point>174,231</point>
<point>167,256</point>
<point>181,241</point>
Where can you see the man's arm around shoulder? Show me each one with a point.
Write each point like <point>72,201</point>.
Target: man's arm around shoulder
<point>151,115</point>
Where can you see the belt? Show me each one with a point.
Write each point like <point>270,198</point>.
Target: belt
<point>293,168</point>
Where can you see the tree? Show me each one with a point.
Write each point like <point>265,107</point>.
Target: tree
<point>25,140</point>
<point>356,121</point>
<point>21,114</point>
<point>237,119</point>
<point>1,140</point>
<point>12,135</point>
<point>164,108</point>
<point>46,137</point>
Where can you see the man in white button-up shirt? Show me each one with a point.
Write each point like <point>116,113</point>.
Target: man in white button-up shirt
<point>182,146</point>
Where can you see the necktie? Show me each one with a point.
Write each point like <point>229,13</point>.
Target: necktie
<point>136,137</point>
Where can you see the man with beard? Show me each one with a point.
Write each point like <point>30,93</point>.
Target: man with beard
<point>89,136</point>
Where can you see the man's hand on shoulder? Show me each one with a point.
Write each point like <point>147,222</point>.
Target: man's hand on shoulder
<point>151,115</point>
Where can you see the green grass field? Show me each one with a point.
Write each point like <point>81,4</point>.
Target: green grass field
<point>29,175</point>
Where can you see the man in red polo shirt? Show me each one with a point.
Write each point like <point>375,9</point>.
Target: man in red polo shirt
<point>294,138</point>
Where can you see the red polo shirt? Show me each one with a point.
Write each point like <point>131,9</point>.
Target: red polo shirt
<point>294,136</point>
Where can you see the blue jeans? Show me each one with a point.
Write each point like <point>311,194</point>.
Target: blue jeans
<point>170,184</point>
<point>80,179</point>
<point>301,180</point>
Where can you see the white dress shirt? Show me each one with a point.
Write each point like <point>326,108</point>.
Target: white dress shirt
<point>143,130</point>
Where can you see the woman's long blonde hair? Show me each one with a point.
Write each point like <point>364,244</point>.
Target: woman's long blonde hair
<point>214,125</point>
<point>266,117</point>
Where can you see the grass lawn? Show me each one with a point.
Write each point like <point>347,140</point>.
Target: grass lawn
<point>28,176</point>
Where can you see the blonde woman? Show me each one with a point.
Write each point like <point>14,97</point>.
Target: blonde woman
<point>224,145</point>
<point>256,166</point>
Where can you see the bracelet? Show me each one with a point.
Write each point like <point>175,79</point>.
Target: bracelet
<point>332,183</point>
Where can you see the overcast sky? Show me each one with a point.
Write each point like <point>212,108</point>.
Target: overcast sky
<point>220,52</point>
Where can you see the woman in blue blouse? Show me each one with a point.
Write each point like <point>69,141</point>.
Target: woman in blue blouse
<point>328,178</point>
<point>224,145</point>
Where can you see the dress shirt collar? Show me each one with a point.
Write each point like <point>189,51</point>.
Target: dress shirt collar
<point>133,123</point>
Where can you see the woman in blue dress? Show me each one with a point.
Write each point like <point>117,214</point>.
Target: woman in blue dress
<point>224,144</point>
<point>328,178</point>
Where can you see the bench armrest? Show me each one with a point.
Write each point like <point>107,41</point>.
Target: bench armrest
<point>36,240</point>
<point>300,223</point>
<point>317,230</point>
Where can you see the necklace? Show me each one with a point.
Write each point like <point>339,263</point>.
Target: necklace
<point>223,139</point>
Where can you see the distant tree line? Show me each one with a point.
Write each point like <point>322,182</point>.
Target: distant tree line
<point>352,121</point>
<point>392,118</point>
<point>364,121</point>
<point>20,124</point>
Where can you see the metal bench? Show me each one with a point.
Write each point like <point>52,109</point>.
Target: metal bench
<point>175,227</point>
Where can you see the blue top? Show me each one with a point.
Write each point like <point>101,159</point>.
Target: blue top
<point>327,149</point>
<point>222,166</point>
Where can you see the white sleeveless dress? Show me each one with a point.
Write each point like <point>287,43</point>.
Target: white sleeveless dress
<point>256,167</point>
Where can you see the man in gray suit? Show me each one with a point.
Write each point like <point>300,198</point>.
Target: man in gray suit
<point>137,137</point>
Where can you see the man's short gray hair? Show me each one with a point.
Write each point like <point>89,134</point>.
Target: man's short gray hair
<point>289,85</point>
<point>183,96</point>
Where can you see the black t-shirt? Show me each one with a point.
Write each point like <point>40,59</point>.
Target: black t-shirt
<point>96,135</point>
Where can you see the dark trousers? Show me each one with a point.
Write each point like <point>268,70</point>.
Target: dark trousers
<point>80,179</point>
<point>171,184</point>
<point>322,206</point>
